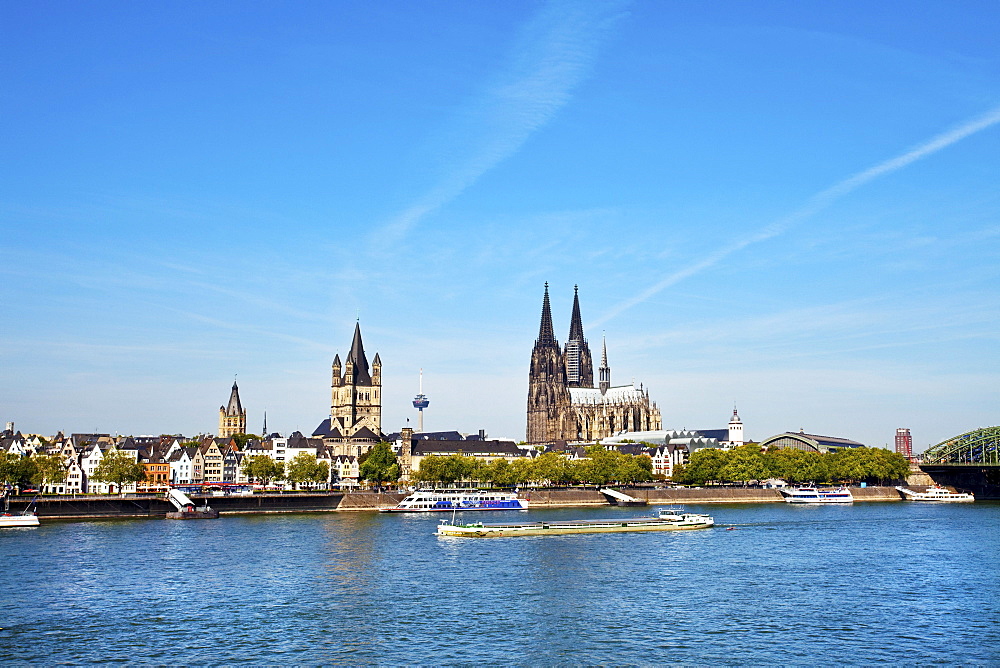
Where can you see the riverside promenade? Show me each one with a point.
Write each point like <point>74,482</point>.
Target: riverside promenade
<point>155,506</point>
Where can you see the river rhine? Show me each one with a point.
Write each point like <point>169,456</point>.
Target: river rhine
<point>902,583</point>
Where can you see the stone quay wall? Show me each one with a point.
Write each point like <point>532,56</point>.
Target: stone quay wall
<point>140,506</point>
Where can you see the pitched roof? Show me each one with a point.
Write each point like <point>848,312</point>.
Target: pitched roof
<point>365,434</point>
<point>362,376</point>
<point>483,448</point>
<point>235,407</point>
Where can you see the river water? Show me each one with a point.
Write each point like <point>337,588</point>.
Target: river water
<point>903,583</point>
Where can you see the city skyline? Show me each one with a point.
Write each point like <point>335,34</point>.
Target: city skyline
<point>787,206</point>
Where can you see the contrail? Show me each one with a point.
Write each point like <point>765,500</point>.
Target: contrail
<point>813,205</point>
<point>552,56</point>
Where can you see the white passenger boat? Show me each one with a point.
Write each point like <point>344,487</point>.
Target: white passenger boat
<point>666,520</point>
<point>818,495</point>
<point>26,518</point>
<point>936,493</point>
<point>432,500</point>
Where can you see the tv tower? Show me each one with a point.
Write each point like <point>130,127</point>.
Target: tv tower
<point>420,402</point>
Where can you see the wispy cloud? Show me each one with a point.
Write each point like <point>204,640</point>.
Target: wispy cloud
<point>551,57</point>
<point>814,205</point>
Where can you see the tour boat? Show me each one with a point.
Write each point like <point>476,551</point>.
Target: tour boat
<point>936,493</point>
<point>666,520</point>
<point>818,495</point>
<point>25,518</point>
<point>457,499</point>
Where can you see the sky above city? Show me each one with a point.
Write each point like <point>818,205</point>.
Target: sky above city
<point>792,207</point>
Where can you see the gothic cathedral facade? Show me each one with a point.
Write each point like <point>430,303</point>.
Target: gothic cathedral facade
<point>564,404</point>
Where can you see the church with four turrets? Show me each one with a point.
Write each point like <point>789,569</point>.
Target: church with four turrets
<point>355,399</point>
<point>564,404</point>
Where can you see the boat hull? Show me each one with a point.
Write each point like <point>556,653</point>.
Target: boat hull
<point>480,530</point>
<point>822,496</point>
<point>396,509</point>
<point>431,501</point>
<point>9,521</point>
<point>193,515</point>
<point>937,495</point>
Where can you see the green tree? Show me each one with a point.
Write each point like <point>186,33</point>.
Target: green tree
<point>523,471</point>
<point>446,469</point>
<point>262,469</point>
<point>380,465</point>
<point>744,464</point>
<point>305,469</point>
<point>49,469</point>
<point>498,471</point>
<point>849,464</point>
<point>600,467</point>
<point>12,469</point>
<point>888,466</point>
<point>704,465</point>
<point>430,470</point>
<point>118,468</point>
<point>550,468</point>
<point>635,468</point>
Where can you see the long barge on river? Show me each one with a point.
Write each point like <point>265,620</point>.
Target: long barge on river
<point>665,520</point>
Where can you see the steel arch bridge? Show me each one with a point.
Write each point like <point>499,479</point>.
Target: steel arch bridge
<point>975,448</point>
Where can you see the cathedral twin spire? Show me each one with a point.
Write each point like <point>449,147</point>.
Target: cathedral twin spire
<point>546,334</point>
<point>576,358</point>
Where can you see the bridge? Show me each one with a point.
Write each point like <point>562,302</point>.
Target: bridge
<point>980,447</point>
<point>968,461</point>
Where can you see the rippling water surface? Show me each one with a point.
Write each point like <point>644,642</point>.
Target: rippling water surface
<point>901,582</point>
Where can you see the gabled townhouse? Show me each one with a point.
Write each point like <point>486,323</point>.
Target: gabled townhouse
<point>68,451</point>
<point>76,479</point>
<point>197,464</point>
<point>211,452</point>
<point>344,471</point>
<point>325,454</point>
<point>181,467</point>
<point>90,459</point>
<point>157,468</point>
<point>15,445</point>
<point>232,464</point>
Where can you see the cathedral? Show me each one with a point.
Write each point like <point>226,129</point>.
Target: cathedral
<point>564,404</point>
<point>355,421</point>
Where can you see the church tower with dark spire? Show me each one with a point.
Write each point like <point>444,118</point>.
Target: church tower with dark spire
<point>232,417</point>
<point>576,357</point>
<point>356,395</point>
<point>548,394</point>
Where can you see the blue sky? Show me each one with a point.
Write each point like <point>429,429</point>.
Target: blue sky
<point>793,206</point>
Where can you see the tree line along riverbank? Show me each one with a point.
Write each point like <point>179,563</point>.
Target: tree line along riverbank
<point>154,506</point>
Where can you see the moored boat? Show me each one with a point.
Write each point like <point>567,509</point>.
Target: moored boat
<point>818,495</point>
<point>432,500</point>
<point>936,493</point>
<point>665,520</point>
<point>25,518</point>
